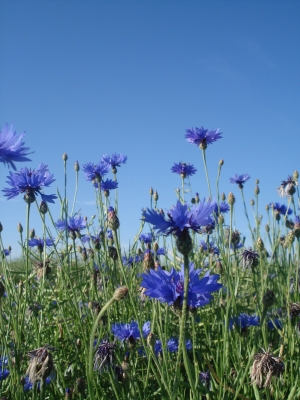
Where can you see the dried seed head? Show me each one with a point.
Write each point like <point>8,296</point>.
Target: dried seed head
<point>41,364</point>
<point>265,365</point>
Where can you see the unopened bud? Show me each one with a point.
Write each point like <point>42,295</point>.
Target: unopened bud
<point>43,207</point>
<point>151,191</point>
<point>65,157</point>
<point>155,246</point>
<point>256,190</point>
<point>267,228</point>
<point>76,166</point>
<point>267,207</point>
<point>223,196</point>
<point>155,196</point>
<point>221,162</point>
<point>120,293</point>
<point>231,199</point>
<point>20,228</point>
<point>197,198</point>
<point>221,219</point>
<point>296,175</point>
<point>252,202</point>
<point>1,227</point>
<point>151,340</point>
<point>268,298</point>
<point>257,182</point>
<point>260,244</point>
<point>32,234</point>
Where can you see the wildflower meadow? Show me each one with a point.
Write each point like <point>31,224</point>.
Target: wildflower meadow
<point>191,309</point>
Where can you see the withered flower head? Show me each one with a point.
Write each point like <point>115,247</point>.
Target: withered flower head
<point>41,364</point>
<point>265,365</point>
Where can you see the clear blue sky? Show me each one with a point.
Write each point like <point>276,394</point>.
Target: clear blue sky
<point>95,77</point>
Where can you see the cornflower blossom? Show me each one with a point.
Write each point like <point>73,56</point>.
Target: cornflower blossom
<point>132,260</point>
<point>130,331</point>
<point>172,345</point>
<point>202,137</point>
<point>204,378</point>
<point>146,238</point>
<point>39,243</point>
<point>243,321</point>
<point>107,185</point>
<point>287,188</point>
<point>4,374</point>
<point>73,225</point>
<point>275,323</point>
<point>221,208</point>
<point>281,209</point>
<point>6,252</point>
<point>168,287</point>
<point>210,247</point>
<point>96,239</point>
<point>27,385</point>
<point>12,147</point>
<point>183,169</point>
<point>180,218</point>
<point>239,179</point>
<point>95,172</point>
<point>30,182</point>
<point>115,160</point>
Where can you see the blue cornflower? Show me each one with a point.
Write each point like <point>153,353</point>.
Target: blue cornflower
<point>183,169</point>
<point>4,374</point>
<point>210,247</point>
<point>180,218</point>
<point>204,378</point>
<point>202,137</point>
<point>107,185</point>
<point>274,323</point>
<point>130,331</point>
<point>172,345</point>
<point>29,385</point>
<point>11,147</point>
<point>281,209</point>
<point>73,225</point>
<point>147,237</point>
<point>30,182</point>
<point>167,287</point>
<point>115,160</point>
<point>243,321</point>
<point>239,179</point>
<point>95,172</point>
<point>132,260</point>
<point>39,243</point>
<point>223,207</point>
<point>6,252</point>
<point>96,239</point>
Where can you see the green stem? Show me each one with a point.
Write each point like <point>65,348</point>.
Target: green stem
<point>206,172</point>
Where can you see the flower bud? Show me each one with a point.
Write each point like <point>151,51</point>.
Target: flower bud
<point>221,219</point>
<point>223,196</point>
<point>257,182</point>
<point>197,198</point>
<point>76,166</point>
<point>268,298</point>
<point>43,207</point>
<point>65,157</point>
<point>252,202</point>
<point>267,207</point>
<point>256,190</point>
<point>296,175</point>
<point>260,244</point>
<point>151,340</point>
<point>151,191</point>
<point>20,228</point>
<point>155,196</point>
<point>120,293</point>
<point>32,234</point>
<point>231,199</point>
<point>267,228</point>
<point>221,162</point>
<point>1,227</point>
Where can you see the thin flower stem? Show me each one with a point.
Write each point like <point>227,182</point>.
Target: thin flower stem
<point>246,214</point>
<point>75,195</point>
<point>206,172</point>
